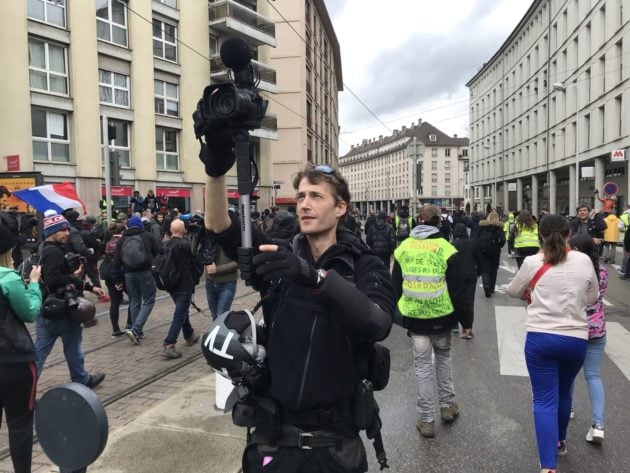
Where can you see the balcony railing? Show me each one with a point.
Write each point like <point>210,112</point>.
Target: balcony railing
<point>267,74</point>
<point>231,17</point>
<point>268,128</point>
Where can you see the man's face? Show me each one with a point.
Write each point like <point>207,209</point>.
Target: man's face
<point>317,210</point>
<point>583,214</point>
<point>60,236</point>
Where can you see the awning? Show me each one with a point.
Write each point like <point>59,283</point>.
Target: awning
<point>285,200</point>
<point>119,191</point>
<point>172,192</point>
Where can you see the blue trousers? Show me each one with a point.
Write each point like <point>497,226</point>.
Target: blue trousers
<point>181,319</point>
<point>220,296</point>
<point>592,368</point>
<point>553,362</point>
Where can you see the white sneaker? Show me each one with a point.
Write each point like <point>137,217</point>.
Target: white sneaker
<point>595,434</point>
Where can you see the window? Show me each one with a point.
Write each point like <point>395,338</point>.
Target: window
<point>167,157</point>
<point>434,178</point>
<point>111,21</point>
<point>447,152</point>
<point>113,88</point>
<point>121,143</point>
<point>166,98</point>
<point>433,165</point>
<point>447,191</point>
<point>164,40</point>
<point>447,178</point>
<point>48,11</point>
<point>48,67</point>
<point>214,45</point>
<point>447,164</point>
<point>170,3</point>
<point>434,152</point>
<point>433,136</point>
<point>465,153</point>
<point>50,136</point>
<point>433,191</point>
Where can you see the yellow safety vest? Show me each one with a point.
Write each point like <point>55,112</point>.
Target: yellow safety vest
<point>527,238</point>
<point>624,219</point>
<point>423,264</point>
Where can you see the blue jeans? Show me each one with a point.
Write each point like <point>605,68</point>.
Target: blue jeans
<point>141,290</point>
<point>181,320</point>
<point>553,362</point>
<point>46,334</point>
<point>592,367</point>
<point>220,296</point>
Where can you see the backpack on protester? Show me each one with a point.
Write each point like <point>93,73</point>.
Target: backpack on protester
<point>445,228</point>
<point>487,240</point>
<point>105,269</point>
<point>165,270</point>
<point>403,229</point>
<point>133,253</point>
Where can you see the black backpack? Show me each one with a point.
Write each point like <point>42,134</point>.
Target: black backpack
<point>164,269</point>
<point>133,253</point>
<point>403,228</point>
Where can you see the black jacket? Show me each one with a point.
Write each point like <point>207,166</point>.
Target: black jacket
<point>16,345</point>
<point>313,336</point>
<point>594,226</point>
<point>55,272</point>
<point>468,251</point>
<point>491,236</point>
<point>150,246</point>
<point>182,254</point>
<point>76,244</point>
<point>381,238</point>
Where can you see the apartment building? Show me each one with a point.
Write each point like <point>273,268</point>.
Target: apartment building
<point>413,166</point>
<point>307,60</point>
<point>143,65</point>
<point>549,114</point>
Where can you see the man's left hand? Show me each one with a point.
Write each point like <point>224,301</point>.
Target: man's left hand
<point>272,264</point>
<point>98,291</point>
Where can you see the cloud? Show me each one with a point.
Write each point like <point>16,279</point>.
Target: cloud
<point>335,7</point>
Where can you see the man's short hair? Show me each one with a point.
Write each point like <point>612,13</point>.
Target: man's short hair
<point>580,207</point>
<point>316,174</point>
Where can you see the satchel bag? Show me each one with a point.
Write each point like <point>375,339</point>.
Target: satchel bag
<point>54,307</point>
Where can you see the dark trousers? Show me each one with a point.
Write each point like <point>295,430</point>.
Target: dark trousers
<point>522,253</point>
<point>181,319</point>
<point>17,399</point>
<point>266,459</point>
<point>91,269</point>
<point>386,259</point>
<point>489,267</point>
<point>116,297</point>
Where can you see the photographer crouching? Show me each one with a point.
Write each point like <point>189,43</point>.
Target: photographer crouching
<point>64,279</point>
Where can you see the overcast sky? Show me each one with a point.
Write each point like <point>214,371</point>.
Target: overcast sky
<point>411,59</point>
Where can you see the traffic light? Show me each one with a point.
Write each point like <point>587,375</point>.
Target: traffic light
<point>114,168</point>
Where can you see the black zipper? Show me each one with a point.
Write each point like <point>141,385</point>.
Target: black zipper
<point>306,363</point>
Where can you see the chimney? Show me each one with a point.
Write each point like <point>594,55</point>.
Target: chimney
<point>364,141</point>
<point>404,128</point>
<point>395,132</point>
<point>351,146</point>
<point>380,137</point>
<point>455,136</point>
<point>419,121</point>
<point>413,124</point>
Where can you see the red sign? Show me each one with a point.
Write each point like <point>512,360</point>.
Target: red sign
<point>233,194</point>
<point>285,200</point>
<point>13,163</point>
<point>172,192</point>
<point>119,191</point>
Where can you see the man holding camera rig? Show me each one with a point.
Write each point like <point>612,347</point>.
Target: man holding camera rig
<point>57,276</point>
<point>321,301</point>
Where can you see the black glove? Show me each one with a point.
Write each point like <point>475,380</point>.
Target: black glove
<point>284,264</point>
<point>217,153</point>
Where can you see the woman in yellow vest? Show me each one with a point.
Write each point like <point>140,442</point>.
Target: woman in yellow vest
<point>611,237</point>
<point>526,242</point>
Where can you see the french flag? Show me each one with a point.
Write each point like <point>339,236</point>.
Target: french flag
<point>58,197</point>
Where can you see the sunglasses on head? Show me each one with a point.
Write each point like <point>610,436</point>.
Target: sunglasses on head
<point>325,169</point>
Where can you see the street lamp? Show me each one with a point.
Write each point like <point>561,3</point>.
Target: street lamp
<point>562,87</point>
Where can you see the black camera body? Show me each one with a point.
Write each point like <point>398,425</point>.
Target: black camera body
<point>232,107</point>
<point>69,295</point>
<point>74,261</point>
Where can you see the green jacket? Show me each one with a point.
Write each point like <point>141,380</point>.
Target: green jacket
<point>26,302</point>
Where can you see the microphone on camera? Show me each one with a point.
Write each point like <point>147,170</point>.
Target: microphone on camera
<point>235,53</point>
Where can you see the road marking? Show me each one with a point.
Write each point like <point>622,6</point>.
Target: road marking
<point>606,302</point>
<point>508,268</point>
<point>618,346</point>
<point>511,332</point>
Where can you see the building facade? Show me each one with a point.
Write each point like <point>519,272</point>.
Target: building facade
<point>142,64</point>
<point>308,64</point>
<point>549,112</point>
<point>414,166</point>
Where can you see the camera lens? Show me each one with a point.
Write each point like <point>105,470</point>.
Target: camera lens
<point>224,102</point>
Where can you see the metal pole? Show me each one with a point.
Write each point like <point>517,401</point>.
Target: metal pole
<point>415,177</point>
<point>108,182</point>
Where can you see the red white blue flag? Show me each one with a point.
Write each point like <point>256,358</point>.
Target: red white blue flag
<point>58,197</point>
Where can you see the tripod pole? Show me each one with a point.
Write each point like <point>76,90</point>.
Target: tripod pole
<point>244,177</point>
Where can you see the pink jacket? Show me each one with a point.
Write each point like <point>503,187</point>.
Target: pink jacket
<point>595,312</point>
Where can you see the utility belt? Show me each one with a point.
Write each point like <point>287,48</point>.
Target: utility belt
<point>279,428</point>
